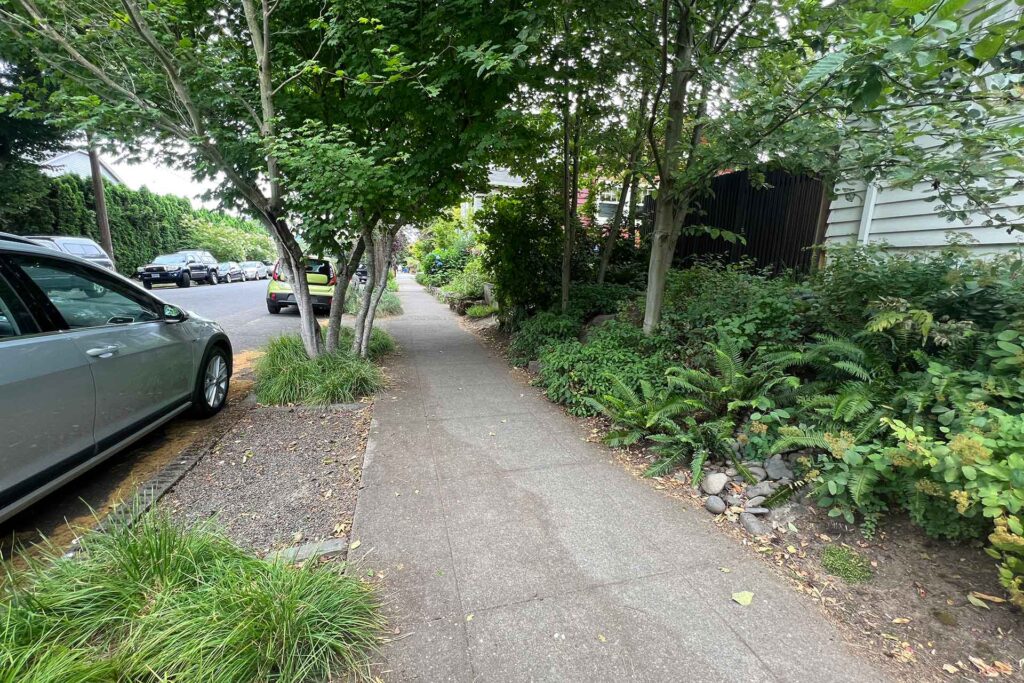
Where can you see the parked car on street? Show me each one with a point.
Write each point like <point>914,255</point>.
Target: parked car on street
<point>89,363</point>
<point>321,277</point>
<point>254,270</point>
<point>230,271</point>
<point>362,274</point>
<point>82,247</point>
<point>181,268</point>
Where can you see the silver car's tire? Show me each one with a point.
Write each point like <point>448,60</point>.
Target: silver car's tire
<point>213,383</point>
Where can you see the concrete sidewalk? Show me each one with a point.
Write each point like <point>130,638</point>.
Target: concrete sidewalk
<point>512,550</point>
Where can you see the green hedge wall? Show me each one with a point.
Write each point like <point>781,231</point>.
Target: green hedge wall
<point>142,224</point>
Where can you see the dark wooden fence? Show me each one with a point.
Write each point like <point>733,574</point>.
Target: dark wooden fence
<point>780,222</point>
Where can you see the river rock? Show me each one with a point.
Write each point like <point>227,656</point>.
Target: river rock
<point>776,468</point>
<point>752,524</point>
<point>763,488</point>
<point>755,501</point>
<point>714,505</point>
<point>714,483</point>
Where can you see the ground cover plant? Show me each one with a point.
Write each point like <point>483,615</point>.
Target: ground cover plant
<point>481,311</point>
<point>156,602</point>
<point>284,374</point>
<point>891,381</point>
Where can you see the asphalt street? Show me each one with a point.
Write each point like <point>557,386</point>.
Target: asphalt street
<point>241,309</point>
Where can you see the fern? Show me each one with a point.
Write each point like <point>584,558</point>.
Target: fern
<point>697,466</point>
<point>784,493</point>
<point>862,481</point>
<point>807,439</point>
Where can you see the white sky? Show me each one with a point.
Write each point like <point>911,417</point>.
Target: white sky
<point>161,180</point>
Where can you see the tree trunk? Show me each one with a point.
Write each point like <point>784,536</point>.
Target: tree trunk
<point>634,191</point>
<point>569,236</point>
<point>616,225</point>
<point>663,247</point>
<point>344,277</point>
<point>100,199</point>
<point>383,263</point>
<point>367,293</point>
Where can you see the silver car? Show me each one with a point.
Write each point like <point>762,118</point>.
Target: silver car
<point>89,363</point>
<point>255,270</point>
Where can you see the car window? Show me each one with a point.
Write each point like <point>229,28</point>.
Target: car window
<point>91,250</point>
<point>85,298</point>
<point>14,319</point>
<point>171,260</point>
<point>319,267</point>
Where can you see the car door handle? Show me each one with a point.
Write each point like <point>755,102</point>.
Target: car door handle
<point>103,351</point>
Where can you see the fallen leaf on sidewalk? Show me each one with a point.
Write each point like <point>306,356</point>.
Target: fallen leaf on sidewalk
<point>600,636</point>
<point>985,596</point>
<point>743,598</point>
<point>724,570</point>
<point>469,617</point>
<point>354,544</point>
<point>901,620</point>
<point>950,669</point>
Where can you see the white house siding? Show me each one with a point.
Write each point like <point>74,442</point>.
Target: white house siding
<point>903,219</point>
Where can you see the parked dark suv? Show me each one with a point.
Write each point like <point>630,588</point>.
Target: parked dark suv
<point>181,268</point>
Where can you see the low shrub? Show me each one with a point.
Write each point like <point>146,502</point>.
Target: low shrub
<point>156,601</point>
<point>468,283</point>
<point>586,300</point>
<point>286,375</point>
<point>617,352</point>
<point>539,331</point>
<point>481,311</point>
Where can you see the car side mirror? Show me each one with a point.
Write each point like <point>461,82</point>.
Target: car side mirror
<point>173,314</point>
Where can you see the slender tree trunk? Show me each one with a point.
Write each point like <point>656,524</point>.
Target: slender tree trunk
<point>616,226</point>
<point>100,199</point>
<point>344,277</point>
<point>367,293</point>
<point>384,265</point>
<point>570,229</point>
<point>634,191</point>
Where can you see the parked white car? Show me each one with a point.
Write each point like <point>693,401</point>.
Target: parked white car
<point>255,270</point>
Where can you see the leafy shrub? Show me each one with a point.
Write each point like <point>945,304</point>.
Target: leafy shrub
<point>468,283</point>
<point>572,372</point>
<point>481,311</point>
<point>158,601</point>
<point>286,375</point>
<point>539,331</point>
<point>748,305</point>
<point>586,301</point>
<point>521,232</point>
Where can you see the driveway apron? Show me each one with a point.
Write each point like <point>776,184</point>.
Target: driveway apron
<point>513,550</point>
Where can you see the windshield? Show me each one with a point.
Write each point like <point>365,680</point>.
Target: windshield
<point>319,267</point>
<point>251,264</point>
<point>225,264</point>
<point>168,260</point>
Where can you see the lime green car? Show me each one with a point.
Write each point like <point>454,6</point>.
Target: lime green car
<point>321,276</point>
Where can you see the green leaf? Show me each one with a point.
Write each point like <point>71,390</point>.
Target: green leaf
<point>743,598</point>
<point>989,46</point>
<point>977,602</point>
<point>825,67</point>
<point>970,473</point>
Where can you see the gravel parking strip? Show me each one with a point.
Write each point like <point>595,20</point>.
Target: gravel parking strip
<point>280,477</point>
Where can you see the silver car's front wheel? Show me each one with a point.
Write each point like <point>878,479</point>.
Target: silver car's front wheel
<point>211,390</point>
<point>215,383</point>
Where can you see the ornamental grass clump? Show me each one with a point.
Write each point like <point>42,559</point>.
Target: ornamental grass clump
<point>157,601</point>
<point>285,374</point>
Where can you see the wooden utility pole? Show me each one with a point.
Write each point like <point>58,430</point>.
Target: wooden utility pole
<point>100,199</point>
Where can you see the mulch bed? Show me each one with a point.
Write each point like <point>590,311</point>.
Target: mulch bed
<point>280,477</point>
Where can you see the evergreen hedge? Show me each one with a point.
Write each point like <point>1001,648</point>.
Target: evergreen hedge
<point>142,223</point>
